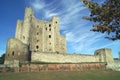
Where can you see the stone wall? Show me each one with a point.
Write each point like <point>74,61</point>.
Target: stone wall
<point>40,41</point>
<point>55,67</point>
<point>114,66</point>
<point>16,51</point>
<point>61,67</point>
<point>40,35</point>
<point>109,56</point>
<point>62,58</point>
<point>104,55</point>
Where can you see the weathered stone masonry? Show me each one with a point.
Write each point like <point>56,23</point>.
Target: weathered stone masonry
<point>40,41</point>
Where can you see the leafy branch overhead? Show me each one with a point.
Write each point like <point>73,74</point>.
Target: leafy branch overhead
<point>106,17</point>
<point>2,58</point>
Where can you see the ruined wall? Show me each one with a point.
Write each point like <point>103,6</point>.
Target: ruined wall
<point>104,55</point>
<point>59,40</point>
<point>100,53</point>
<point>114,66</point>
<point>62,43</point>
<point>109,56</point>
<point>62,67</point>
<point>23,27</point>
<point>27,25</point>
<point>19,29</point>
<point>62,58</point>
<point>45,36</point>
<point>16,50</point>
<point>55,67</point>
<point>48,37</point>
<point>36,36</point>
<point>42,40</point>
<point>39,35</point>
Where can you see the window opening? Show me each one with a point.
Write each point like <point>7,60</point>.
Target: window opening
<point>37,33</point>
<point>49,36</point>
<point>56,22</point>
<point>23,37</point>
<point>37,47</point>
<point>37,40</point>
<point>50,29</point>
<point>13,53</point>
<point>49,49</point>
<point>37,26</point>
<point>49,25</point>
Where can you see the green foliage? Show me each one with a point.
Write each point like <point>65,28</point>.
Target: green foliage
<point>2,58</point>
<point>106,17</point>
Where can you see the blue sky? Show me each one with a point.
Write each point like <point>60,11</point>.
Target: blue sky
<point>79,37</point>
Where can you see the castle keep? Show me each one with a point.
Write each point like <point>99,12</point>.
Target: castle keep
<point>39,35</point>
<point>40,41</point>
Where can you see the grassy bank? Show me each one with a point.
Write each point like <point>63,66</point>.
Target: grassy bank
<point>62,75</point>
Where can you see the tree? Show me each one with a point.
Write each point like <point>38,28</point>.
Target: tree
<point>106,17</point>
<point>2,58</point>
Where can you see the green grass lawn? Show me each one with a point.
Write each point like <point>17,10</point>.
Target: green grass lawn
<point>62,75</point>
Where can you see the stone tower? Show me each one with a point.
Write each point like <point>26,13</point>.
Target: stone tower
<point>34,35</point>
<point>104,55</point>
<point>39,35</point>
<point>23,27</point>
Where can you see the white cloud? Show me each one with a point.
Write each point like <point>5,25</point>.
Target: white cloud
<point>49,14</point>
<point>37,5</point>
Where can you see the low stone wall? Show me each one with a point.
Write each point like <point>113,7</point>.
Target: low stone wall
<point>114,66</point>
<point>62,58</point>
<point>61,67</point>
<point>55,67</point>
